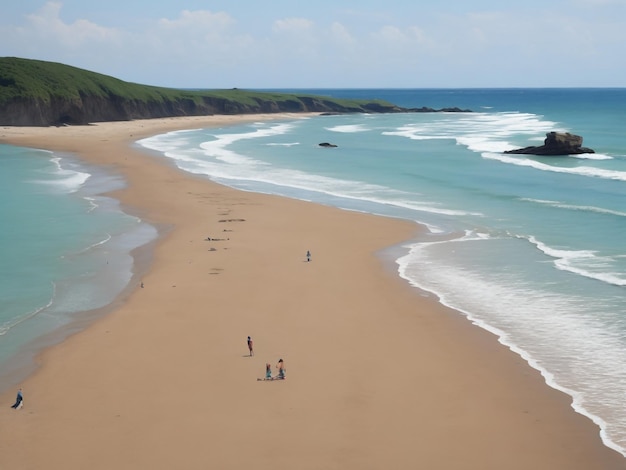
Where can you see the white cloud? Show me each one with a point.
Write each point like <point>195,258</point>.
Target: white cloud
<point>194,21</point>
<point>391,35</point>
<point>212,49</point>
<point>403,46</point>
<point>46,25</point>
<point>295,44</point>
<point>192,34</point>
<point>292,25</point>
<point>341,35</point>
<point>599,3</point>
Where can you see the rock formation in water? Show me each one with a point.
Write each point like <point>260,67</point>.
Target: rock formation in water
<point>556,143</point>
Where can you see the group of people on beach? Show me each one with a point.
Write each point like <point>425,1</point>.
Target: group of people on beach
<point>281,371</point>
<point>280,375</point>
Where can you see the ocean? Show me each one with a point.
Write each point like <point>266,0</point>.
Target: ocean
<point>65,250</point>
<point>529,248</point>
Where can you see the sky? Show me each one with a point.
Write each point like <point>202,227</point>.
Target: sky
<point>327,43</point>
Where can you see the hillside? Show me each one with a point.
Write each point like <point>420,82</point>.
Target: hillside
<point>38,93</point>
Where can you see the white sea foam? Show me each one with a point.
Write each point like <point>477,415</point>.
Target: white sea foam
<point>573,207</point>
<point>585,263</point>
<point>478,143</point>
<point>160,143</point>
<point>348,189</point>
<point>414,133</point>
<point>349,128</point>
<point>523,315</point>
<point>7,325</point>
<point>217,148</point>
<point>64,179</point>
<point>219,162</point>
<point>580,170</point>
<point>591,156</point>
<point>104,240</point>
<point>559,253</point>
<point>480,132</point>
<point>92,204</point>
<point>608,278</point>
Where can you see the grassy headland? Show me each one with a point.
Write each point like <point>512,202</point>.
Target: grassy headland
<point>38,93</point>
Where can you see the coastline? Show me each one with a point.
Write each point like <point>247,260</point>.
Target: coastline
<point>124,245</point>
<point>378,375</point>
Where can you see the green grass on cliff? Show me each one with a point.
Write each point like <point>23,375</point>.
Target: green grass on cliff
<point>33,79</point>
<point>23,78</point>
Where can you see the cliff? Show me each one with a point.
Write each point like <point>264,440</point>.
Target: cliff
<point>38,93</point>
<point>33,111</point>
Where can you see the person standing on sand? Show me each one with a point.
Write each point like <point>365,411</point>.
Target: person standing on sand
<point>308,255</point>
<point>19,400</point>
<point>250,346</point>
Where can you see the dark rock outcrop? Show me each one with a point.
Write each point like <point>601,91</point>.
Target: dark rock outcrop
<point>556,143</point>
<point>424,109</point>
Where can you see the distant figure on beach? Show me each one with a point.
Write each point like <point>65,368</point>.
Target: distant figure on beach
<point>250,346</point>
<point>281,369</point>
<point>142,285</point>
<point>308,255</point>
<point>268,372</point>
<point>19,401</point>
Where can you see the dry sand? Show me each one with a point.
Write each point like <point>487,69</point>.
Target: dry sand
<point>379,375</point>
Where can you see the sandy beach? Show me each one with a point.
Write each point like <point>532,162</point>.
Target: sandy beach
<point>379,375</point>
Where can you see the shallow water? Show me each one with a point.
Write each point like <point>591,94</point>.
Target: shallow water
<point>65,247</point>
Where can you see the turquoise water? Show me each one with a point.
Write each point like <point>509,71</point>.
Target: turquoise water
<point>530,248</point>
<point>64,247</point>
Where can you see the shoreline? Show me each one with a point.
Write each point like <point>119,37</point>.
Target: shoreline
<point>489,402</point>
<point>24,362</point>
<point>21,363</point>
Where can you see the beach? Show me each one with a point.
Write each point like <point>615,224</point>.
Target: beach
<point>379,374</point>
